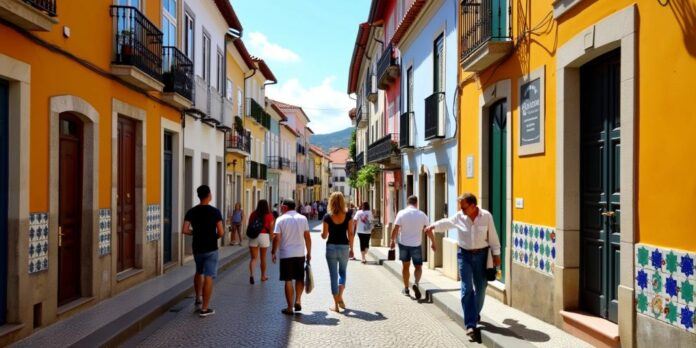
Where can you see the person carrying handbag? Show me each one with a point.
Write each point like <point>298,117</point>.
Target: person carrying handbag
<point>363,226</point>
<point>477,238</point>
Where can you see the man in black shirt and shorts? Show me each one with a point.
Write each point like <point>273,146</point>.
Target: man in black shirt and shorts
<point>204,222</point>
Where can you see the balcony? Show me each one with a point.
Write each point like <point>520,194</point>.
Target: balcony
<point>177,77</point>
<point>239,142</point>
<point>486,33</point>
<point>310,182</point>
<point>29,14</point>
<point>317,180</point>
<point>278,163</point>
<point>361,116</point>
<point>370,83</point>
<point>385,151</point>
<point>256,170</point>
<point>258,114</point>
<point>435,116</point>
<point>407,129</point>
<point>359,161</point>
<point>137,56</point>
<point>387,68</point>
<point>301,149</point>
<point>293,167</point>
<point>300,179</point>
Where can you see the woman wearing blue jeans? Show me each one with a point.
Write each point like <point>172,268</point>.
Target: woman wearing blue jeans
<point>338,228</point>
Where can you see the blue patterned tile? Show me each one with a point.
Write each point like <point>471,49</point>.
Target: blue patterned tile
<point>534,247</point>
<point>38,242</point>
<point>153,222</point>
<point>104,247</point>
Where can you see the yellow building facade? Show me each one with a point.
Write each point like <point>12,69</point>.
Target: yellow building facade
<point>562,136</point>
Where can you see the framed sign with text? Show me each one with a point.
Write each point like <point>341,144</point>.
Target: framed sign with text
<point>531,115</point>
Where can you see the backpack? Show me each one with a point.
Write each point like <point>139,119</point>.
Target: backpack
<point>254,229</point>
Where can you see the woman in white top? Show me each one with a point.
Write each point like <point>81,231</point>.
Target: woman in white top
<point>363,226</point>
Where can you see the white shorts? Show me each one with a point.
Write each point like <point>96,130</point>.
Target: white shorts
<point>262,241</point>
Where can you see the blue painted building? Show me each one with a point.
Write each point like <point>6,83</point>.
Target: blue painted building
<point>429,63</point>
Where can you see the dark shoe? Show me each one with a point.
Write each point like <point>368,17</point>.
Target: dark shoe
<point>405,292</point>
<point>251,280</point>
<point>287,311</point>
<point>298,307</point>
<point>416,292</point>
<point>207,312</point>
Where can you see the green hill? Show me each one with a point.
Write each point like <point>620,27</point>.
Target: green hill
<point>335,139</point>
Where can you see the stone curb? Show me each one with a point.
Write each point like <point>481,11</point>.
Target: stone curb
<point>448,304</point>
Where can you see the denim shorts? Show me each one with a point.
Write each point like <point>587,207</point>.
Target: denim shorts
<point>408,253</point>
<point>207,263</point>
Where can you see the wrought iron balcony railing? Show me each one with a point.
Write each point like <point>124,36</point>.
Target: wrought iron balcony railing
<point>177,72</point>
<point>370,86</point>
<point>483,21</point>
<point>310,182</point>
<point>387,68</point>
<point>239,141</point>
<point>301,149</point>
<point>406,129</point>
<point>277,162</point>
<point>256,170</point>
<point>48,6</point>
<point>137,41</point>
<point>383,148</point>
<point>435,116</point>
<point>300,179</point>
<point>359,161</point>
<point>259,115</point>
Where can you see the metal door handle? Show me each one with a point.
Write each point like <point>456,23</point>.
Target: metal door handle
<point>608,213</point>
<point>60,236</point>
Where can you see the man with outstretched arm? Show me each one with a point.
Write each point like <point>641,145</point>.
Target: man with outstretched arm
<point>476,235</point>
<point>291,239</point>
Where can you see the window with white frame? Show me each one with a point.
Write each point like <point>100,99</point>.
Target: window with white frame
<point>206,58</point>
<point>220,71</point>
<point>189,36</point>
<point>169,22</point>
<point>240,102</point>
<point>229,89</point>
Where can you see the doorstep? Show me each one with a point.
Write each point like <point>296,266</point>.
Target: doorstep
<point>501,325</point>
<point>112,320</point>
<point>598,331</point>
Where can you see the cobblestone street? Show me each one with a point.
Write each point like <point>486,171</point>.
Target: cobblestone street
<point>249,315</point>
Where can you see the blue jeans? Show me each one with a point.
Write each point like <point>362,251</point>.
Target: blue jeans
<point>337,259</point>
<point>472,271</point>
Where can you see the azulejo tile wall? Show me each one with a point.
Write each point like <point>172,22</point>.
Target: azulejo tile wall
<point>104,232</point>
<point>534,246</point>
<point>38,242</point>
<point>665,281</point>
<point>152,226</point>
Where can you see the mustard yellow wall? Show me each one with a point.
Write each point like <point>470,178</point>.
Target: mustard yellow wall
<point>665,190</point>
<point>53,74</point>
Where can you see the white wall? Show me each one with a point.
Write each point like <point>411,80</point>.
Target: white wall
<point>202,138</point>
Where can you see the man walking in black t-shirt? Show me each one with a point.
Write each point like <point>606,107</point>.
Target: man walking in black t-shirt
<point>204,223</point>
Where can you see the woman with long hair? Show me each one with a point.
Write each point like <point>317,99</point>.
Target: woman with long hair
<point>263,241</point>
<point>363,226</point>
<point>338,228</point>
<point>237,218</point>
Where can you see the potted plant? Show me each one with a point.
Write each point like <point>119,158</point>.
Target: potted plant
<point>126,42</point>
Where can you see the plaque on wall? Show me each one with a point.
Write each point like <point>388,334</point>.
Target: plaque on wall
<point>531,128</point>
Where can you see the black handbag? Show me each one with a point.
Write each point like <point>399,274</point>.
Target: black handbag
<point>491,273</point>
<point>391,256</point>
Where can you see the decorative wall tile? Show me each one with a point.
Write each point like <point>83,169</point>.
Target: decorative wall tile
<point>664,284</point>
<point>534,246</point>
<point>152,225</point>
<point>104,232</point>
<point>38,242</point>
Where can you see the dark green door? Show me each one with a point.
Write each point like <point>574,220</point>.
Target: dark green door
<point>4,149</point>
<point>167,204</point>
<point>497,176</point>
<point>600,191</point>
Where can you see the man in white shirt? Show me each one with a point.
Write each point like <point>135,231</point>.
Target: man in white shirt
<point>290,240</point>
<point>411,222</point>
<point>476,235</point>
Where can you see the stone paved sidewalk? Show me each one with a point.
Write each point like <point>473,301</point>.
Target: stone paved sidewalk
<point>107,320</point>
<point>249,315</point>
<point>502,326</point>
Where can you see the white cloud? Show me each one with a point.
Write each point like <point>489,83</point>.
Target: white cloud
<point>326,107</point>
<point>261,47</point>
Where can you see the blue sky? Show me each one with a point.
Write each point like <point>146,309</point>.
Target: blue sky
<point>308,44</point>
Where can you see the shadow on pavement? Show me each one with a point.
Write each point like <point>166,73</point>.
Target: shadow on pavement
<point>516,330</point>
<point>316,318</point>
<point>362,315</point>
<point>429,294</point>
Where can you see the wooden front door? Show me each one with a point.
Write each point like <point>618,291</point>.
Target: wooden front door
<point>600,191</point>
<point>168,188</point>
<point>4,191</point>
<point>69,207</point>
<point>125,200</point>
<point>497,173</point>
